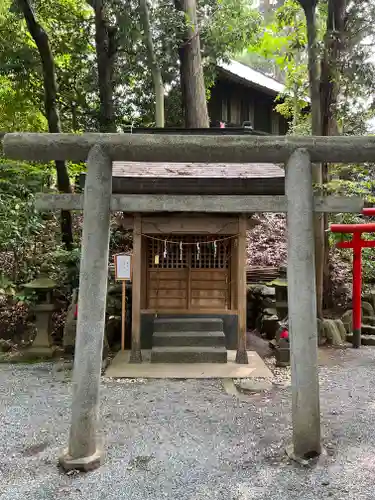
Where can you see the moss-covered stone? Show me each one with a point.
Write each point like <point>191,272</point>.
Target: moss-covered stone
<point>332,332</point>
<point>322,339</point>
<point>341,329</point>
<point>367,309</point>
<point>70,329</point>
<point>368,320</point>
<point>347,319</point>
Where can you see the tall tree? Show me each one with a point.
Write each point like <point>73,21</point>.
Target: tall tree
<point>41,40</point>
<point>329,94</point>
<point>106,41</point>
<point>191,69</point>
<point>309,7</point>
<point>331,65</point>
<point>153,64</point>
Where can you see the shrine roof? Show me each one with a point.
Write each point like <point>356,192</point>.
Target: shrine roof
<point>195,170</point>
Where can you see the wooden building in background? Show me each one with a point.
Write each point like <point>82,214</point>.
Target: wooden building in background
<point>241,94</point>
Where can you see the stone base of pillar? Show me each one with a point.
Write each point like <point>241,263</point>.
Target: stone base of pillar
<point>289,450</point>
<point>84,464</point>
<point>135,356</point>
<point>241,358</point>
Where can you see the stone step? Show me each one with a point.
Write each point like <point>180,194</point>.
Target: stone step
<point>188,325</point>
<point>192,339</point>
<point>365,339</point>
<point>189,355</point>
<point>368,320</point>
<point>368,329</point>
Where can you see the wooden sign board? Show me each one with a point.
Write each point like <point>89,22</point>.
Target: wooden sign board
<point>123,267</point>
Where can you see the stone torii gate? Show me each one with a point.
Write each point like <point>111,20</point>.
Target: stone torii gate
<point>100,150</point>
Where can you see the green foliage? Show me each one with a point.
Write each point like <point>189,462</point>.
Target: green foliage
<point>64,266</point>
<point>7,287</point>
<point>19,221</point>
<point>27,237</point>
<point>228,27</point>
<point>68,24</point>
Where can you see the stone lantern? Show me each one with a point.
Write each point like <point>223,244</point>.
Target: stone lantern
<point>43,286</point>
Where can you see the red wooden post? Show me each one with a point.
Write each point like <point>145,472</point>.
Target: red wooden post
<point>357,243</point>
<point>357,289</point>
<point>368,211</point>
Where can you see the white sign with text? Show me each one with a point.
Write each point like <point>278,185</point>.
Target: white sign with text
<point>123,267</point>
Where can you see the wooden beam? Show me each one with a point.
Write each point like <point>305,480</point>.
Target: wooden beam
<point>188,148</point>
<point>207,204</point>
<point>135,355</point>
<point>184,224</point>
<point>241,356</point>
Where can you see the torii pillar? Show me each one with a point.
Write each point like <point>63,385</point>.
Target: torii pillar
<point>85,451</point>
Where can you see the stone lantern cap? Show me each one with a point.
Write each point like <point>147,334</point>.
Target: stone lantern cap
<point>43,282</point>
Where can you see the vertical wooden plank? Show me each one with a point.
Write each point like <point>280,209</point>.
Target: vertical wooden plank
<point>233,274</point>
<point>135,356</point>
<point>123,315</point>
<point>144,272</point>
<point>188,275</point>
<point>241,356</point>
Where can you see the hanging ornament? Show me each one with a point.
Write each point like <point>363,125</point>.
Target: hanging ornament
<point>215,249</point>
<point>156,259</point>
<point>198,251</point>
<point>180,250</point>
<point>165,249</point>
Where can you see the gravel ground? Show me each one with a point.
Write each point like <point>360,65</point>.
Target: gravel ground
<point>189,440</point>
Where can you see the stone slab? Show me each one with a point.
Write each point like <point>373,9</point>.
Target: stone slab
<point>31,354</point>
<point>197,339</point>
<point>184,354</point>
<point>258,385</point>
<point>121,368</point>
<point>84,464</point>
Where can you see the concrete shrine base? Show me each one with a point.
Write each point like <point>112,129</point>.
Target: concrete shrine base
<point>122,368</point>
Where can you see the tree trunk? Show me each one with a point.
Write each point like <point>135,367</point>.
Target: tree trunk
<point>191,70</point>
<point>40,38</point>
<point>329,80</point>
<point>329,90</point>
<point>106,50</point>
<point>267,10</point>
<point>155,70</point>
<point>309,7</point>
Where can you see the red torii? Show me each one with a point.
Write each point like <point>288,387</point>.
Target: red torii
<point>356,243</point>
